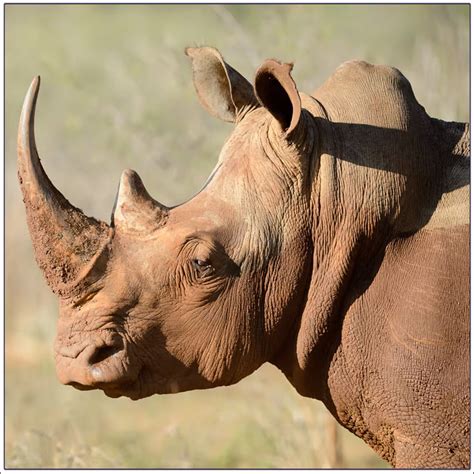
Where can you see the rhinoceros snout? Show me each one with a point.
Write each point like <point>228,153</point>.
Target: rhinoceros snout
<point>95,364</point>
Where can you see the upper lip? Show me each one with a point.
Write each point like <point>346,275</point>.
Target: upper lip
<point>115,388</point>
<point>123,386</point>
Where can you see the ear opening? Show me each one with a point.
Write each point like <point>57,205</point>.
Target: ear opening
<point>277,92</point>
<point>275,99</point>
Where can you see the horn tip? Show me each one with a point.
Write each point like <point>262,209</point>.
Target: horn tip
<point>130,183</point>
<point>26,125</point>
<point>35,84</point>
<point>129,176</point>
<point>32,91</point>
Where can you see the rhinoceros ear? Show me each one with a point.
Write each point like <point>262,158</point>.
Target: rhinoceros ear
<point>135,211</point>
<point>277,92</point>
<point>222,91</point>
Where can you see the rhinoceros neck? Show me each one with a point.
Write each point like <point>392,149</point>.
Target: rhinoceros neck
<point>377,179</point>
<point>452,208</point>
<point>341,234</point>
<point>390,213</point>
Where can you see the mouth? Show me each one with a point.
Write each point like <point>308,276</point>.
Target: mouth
<point>135,385</point>
<point>113,371</point>
<point>129,390</point>
<point>115,389</point>
<point>117,392</point>
<point>78,386</point>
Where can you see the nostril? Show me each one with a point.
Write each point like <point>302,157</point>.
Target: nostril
<point>104,352</point>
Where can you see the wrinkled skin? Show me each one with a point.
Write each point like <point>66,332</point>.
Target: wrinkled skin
<point>332,240</point>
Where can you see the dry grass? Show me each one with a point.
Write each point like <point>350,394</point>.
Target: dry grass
<point>117,93</point>
<point>260,422</point>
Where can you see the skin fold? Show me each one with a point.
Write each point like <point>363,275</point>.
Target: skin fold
<point>332,240</point>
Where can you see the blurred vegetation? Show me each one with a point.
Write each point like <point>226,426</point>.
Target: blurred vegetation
<point>117,93</point>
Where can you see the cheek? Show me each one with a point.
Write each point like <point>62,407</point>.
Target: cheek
<point>223,337</point>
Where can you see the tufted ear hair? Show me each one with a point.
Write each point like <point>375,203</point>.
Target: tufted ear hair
<point>277,92</point>
<point>222,91</point>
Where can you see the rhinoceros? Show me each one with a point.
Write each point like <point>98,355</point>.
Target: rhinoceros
<point>331,240</point>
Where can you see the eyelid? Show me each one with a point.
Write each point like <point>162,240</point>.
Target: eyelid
<point>202,264</point>
<point>191,245</point>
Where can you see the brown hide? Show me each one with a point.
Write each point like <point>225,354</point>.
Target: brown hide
<point>331,240</point>
<point>384,337</point>
<point>413,403</point>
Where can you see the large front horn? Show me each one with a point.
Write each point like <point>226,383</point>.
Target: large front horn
<point>66,242</point>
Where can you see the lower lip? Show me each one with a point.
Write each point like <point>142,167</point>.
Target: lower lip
<point>78,386</point>
<point>117,391</point>
<point>113,394</point>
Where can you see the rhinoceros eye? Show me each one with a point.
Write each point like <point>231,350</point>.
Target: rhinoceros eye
<point>204,267</point>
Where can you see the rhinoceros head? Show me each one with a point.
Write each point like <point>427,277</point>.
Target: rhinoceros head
<point>195,296</point>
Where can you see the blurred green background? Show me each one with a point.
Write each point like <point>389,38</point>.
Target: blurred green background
<point>117,93</point>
